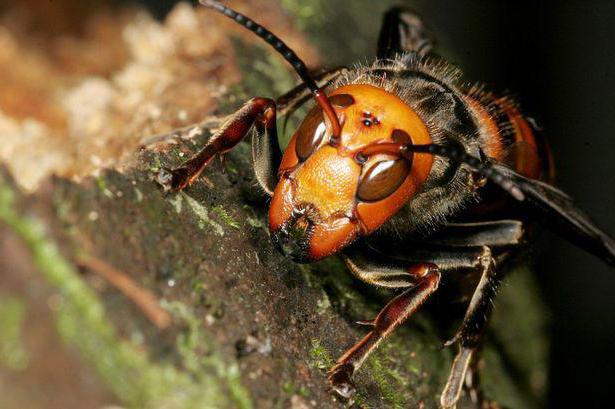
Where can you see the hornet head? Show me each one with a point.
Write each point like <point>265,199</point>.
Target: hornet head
<point>334,189</point>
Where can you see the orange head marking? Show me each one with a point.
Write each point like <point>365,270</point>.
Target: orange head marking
<point>329,192</point>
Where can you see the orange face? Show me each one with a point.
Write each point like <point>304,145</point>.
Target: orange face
<point>329,192</point>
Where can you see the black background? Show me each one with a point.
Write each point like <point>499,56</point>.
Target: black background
<point>558,59</point>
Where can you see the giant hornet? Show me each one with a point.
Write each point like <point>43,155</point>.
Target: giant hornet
<point>400,152</point>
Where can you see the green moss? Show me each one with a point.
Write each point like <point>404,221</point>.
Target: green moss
<point>190,344</point>
<point>198,287</point>
<point>399,386</point>
<point>254,222</point>
<point>128,372</point>
<point>102,186</point>
<point>388,382</point>
<point>290,389</point>
<point>230,168</point>
<point>320,357</point>
<point>154,163</point>
<point>203,214</point>
<point>13,354</point>
<point>323,304</point>
<point>226,217</point>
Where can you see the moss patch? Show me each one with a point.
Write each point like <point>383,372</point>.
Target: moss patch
<point>201,212</point>
<point>199,362</point>
<point>226,217</point>
<point>13,354</point>
<point>320,357</point>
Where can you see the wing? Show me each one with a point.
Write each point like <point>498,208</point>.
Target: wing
<point>402,31</point>
<point>557,211</point>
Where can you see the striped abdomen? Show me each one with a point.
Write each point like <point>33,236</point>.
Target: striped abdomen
<point>509,137</point>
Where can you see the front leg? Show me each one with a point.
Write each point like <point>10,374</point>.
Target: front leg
<point>259,113</point>
<point>395,313</point>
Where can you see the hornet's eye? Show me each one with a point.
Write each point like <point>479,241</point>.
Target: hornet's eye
<point>382,179</point>
<point>310,134</point>
<point>313,128</point>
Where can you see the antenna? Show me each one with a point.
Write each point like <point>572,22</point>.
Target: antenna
<point>286,52</point>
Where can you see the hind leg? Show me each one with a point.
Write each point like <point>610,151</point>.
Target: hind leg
<point>469,337</point>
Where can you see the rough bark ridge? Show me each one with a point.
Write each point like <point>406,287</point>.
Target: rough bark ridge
<point>248,328</point>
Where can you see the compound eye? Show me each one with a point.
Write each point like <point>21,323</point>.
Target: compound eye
<point>382,179</point>
<point>310,134</point>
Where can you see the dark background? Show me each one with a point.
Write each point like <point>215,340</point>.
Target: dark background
<point>558,58</point>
